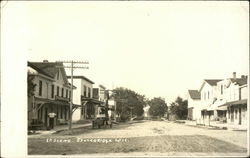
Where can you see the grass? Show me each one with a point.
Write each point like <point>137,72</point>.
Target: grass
<point>166,143</point>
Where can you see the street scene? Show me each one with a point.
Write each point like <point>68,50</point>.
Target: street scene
<point>131,79</point>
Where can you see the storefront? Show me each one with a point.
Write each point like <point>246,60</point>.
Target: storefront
<point>41,108</point>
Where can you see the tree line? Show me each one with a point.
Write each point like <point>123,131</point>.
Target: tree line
<point>130,104</point>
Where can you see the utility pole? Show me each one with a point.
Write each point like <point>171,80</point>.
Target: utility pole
<point>72,67</point>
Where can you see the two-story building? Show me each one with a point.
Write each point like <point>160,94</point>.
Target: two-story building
<point>208,92</point>
<point>83,96</point>
<point>235,96</point>
<point>51,94</point>
<point>99,93</point>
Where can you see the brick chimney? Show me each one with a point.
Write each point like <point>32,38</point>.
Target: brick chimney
<point>234,75</point>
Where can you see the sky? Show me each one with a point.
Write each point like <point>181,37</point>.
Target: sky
<point>159,49</point>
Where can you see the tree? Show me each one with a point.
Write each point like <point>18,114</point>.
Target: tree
<point>31,86</point>
<point>128,103</point>
<point>179,108</point>
<point>158,107</point>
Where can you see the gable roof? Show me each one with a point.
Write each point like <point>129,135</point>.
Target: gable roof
<point>194,94</point>
<point>39,69</point>
<point>82,77</point>
<point>49,69</point>
<point>239,81</point>
<point>212,82</point>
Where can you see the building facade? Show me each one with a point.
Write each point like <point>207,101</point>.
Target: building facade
<point>221,102</point>
<point>51,93</point>
<point>84,103</point>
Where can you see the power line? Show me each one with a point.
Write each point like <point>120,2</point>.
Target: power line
<point>72,67</point>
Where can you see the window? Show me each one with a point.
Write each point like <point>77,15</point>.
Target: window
<point>62,92</point>
<point>52,91</point>
<point>66,93</point>
<point>57,91</point>
<point>89,92</point>
<point>69,94</point>
<point>204,96</point>
<point>207,95</point>
<point>221,89</point>
<point>40,87</point>
<point>84,91</point>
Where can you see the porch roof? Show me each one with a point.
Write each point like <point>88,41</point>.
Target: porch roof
<point>48,101</point>
<point>237,102</point>
<point>92,100</point>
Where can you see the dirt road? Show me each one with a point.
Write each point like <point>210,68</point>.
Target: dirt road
<point>143,138</point>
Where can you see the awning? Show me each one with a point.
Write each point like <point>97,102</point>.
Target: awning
<point>238,102</point>
<point>222,108</point>
<point>216,104</point>
<point>91,100</point>
<point>48,101</point>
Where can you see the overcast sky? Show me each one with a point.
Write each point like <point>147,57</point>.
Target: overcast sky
<point>155,48</point>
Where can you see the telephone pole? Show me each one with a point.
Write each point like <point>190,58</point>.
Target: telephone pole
<point>72,67</point>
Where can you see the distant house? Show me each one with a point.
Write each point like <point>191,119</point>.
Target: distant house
<point>146,111</point>
<point>194,98</point>
<point>51,94</point>
<point>83,96</point>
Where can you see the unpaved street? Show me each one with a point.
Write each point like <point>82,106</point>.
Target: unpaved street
<point>143,138</point>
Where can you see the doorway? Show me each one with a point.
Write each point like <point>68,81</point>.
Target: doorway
<point>239,115</point>
<point>46,117</point>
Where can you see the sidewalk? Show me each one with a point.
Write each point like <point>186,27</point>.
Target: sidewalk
<point>58,128</point>
<point>216,125</point>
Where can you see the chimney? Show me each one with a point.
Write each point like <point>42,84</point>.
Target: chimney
<point>234,75</point>
<point>45,61</point>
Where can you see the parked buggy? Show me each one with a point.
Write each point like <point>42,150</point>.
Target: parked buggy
<point>102,118</point>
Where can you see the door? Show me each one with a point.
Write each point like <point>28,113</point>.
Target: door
<point>240,116</point>
<point>46,117</point>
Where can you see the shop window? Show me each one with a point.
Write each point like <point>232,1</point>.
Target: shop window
<point>61,112</point>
